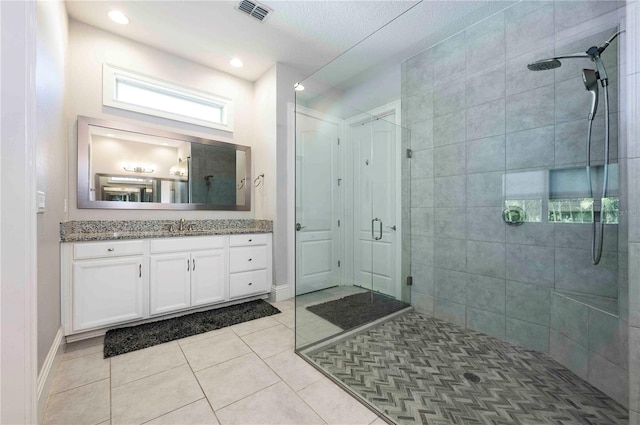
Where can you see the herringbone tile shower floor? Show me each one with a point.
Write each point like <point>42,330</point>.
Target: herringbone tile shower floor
<point>412,368</point>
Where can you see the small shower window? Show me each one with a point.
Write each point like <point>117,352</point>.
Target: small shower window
<point>580,210</point>
<point>140,93</point>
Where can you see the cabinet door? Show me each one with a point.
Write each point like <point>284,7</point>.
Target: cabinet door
<point>208,276</point>
<point>106,292</point>
<point>169,283</point>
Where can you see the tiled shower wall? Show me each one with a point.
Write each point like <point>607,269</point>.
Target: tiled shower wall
<point>476,113</point>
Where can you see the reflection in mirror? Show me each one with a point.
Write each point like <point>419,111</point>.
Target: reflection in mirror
<point>125,166</point>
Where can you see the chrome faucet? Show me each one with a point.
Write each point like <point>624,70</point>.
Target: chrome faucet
<point>181,225</point>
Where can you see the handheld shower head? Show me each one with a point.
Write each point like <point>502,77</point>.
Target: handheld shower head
<point>590,80</point>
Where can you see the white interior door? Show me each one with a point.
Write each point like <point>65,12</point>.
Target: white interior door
<point>317,202</point>
<point>376,185</point>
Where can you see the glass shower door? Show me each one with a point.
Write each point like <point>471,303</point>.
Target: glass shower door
<point>385,205</point>
<point>378,205</point>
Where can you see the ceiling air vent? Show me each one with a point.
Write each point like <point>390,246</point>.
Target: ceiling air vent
<point>255,9</point>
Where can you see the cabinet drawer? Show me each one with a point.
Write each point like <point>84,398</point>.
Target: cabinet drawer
<point>243,284</point>
<point>191,243</point>
<point>106,249</point>
<point>244,259</point>
<point>249,240</point>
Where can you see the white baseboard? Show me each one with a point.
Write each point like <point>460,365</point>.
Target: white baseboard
<point>280,292</point>
<point>46,375</point>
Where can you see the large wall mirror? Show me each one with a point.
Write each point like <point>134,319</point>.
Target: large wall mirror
<point>123,165</point>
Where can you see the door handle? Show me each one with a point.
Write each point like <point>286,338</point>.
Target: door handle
<point>299,227</point>
<point>373,235</point>
<point>392,227</point>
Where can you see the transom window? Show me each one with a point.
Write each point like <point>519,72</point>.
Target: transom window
<point>139,93</point>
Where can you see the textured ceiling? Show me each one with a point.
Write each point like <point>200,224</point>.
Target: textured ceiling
<point>303,34</point>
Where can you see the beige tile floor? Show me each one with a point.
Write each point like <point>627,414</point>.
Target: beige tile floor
<point>244,374</point>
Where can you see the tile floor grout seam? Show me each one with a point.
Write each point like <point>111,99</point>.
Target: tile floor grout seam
<point>178,408</point>
<point>153,374</point>
<point>200,385</point>
<point>79,386</point>
<point>226,361</point>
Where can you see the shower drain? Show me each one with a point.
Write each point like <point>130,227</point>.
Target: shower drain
<point>472,377</point>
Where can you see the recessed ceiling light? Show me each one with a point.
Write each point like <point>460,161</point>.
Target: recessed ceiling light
<point>298,87</point>
<point>236,63</point>
<point>118,17</point>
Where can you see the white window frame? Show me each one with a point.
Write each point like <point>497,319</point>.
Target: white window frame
<point>111,73</point>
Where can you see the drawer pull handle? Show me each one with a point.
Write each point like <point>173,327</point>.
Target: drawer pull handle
<point>110,249</point>
<point>249,259</point>
<point>250,283</point>
<point>194,265</point>
<point>250,240</point>
<point>188,264</point>
<point>139,270</point>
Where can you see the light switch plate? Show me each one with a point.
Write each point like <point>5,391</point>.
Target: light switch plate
<point>41,201</point>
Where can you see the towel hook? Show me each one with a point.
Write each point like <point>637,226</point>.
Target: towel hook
<point>241,184</point>
<point>258,180</point>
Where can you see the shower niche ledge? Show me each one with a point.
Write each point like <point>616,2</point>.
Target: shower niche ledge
<point>605,304</point>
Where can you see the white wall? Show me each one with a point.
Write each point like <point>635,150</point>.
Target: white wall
<point>89,48</point>
<point>51,163</point>
<point>273,92</point>
<point>18,254</point>
<point>379,86</point>
<point>265,151</point>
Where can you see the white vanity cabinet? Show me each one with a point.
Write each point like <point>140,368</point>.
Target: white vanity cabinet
<point>249,264</point>
<point>108,283</point>
<point>186,272</point>
<point>115,282</point>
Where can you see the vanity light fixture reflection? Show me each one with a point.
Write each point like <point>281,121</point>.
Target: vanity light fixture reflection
<point>137,169</point>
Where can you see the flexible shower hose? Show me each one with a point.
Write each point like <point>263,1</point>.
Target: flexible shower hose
<point>597,234</point>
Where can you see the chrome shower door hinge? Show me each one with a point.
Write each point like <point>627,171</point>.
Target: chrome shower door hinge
<point>409,153</point>
<point>409,280</point>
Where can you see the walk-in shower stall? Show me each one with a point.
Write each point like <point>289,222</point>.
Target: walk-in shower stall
<point>462,215</point>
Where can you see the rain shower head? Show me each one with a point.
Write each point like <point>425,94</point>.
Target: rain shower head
<point>544,64</point>
<point>553,63</point>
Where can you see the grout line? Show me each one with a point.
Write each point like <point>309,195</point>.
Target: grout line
<point>171,411</point>
<point>75,388</point>
<point>199,385</point>
<point>153,374</point>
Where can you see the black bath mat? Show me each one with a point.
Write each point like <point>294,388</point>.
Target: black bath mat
<point>355,310</point>
<point>125,340</point>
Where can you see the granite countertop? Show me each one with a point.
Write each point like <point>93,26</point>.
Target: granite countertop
<point>102,230</point>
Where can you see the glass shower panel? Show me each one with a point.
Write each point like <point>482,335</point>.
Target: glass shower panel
<point>349,212</point>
